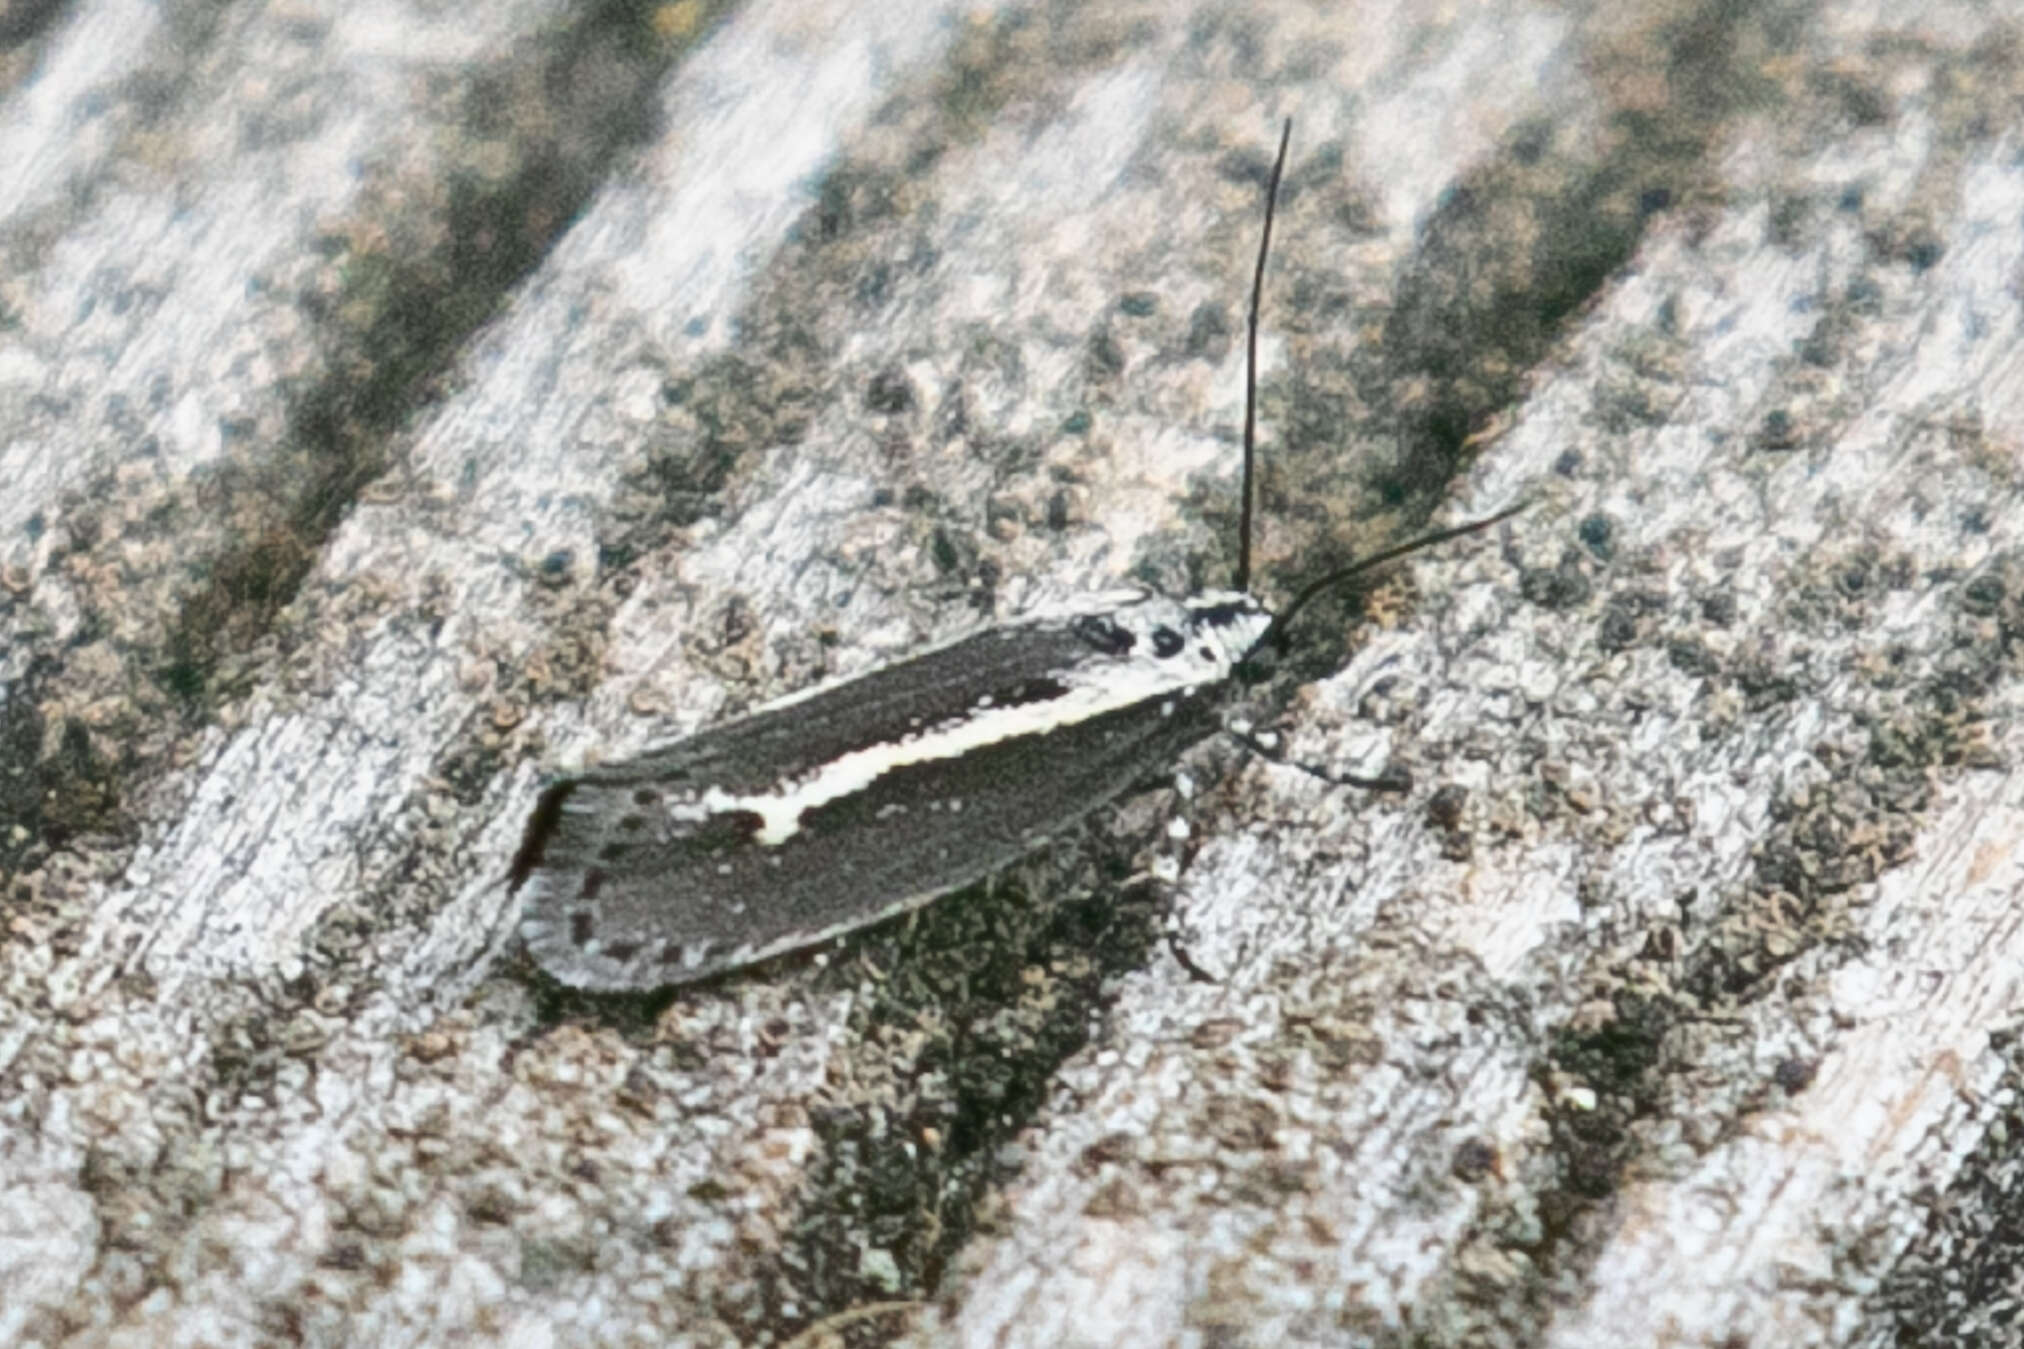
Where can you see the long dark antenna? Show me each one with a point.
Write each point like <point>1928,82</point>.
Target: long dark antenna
<point>1392,554</point>
<point>1251,364</point>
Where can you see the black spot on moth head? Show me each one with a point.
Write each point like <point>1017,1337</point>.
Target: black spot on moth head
<point>623,950</point>
<point>582,927</point>
<point>540,828</point>
<point>1167,642</point>
<point>1105,634</point>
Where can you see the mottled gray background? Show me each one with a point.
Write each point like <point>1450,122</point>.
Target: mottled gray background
<point>401,401</point>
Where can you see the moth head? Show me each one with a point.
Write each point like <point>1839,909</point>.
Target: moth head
<point>1229,621</point>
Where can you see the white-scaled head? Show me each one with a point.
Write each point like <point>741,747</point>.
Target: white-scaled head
<point>1227,625</point>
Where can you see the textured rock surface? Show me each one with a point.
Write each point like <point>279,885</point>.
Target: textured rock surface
<point>399,403</point>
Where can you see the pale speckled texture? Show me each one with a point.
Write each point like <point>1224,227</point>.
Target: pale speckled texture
<point>396,404</point>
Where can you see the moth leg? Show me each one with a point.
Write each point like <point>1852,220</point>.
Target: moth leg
<point>1391,780</point>
<point>1186,961</point>
<point>1161,879</point>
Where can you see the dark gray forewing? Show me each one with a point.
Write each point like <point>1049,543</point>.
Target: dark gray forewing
<point>667,911</point>
<point>1011,663</point>
<point>1015,663</point>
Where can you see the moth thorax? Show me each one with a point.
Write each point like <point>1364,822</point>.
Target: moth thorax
<point>1202,637</point>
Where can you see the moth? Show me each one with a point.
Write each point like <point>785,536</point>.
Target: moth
<point>830,809</point>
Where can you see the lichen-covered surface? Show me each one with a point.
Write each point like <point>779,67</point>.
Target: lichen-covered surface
<point>399,403</point>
